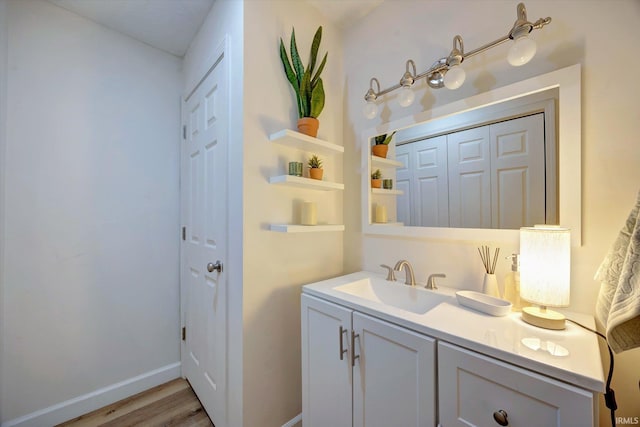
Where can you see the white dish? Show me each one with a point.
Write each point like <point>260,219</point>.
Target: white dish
<point>484,303</point>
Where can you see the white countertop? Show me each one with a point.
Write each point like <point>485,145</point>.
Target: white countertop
<point>497,337</point>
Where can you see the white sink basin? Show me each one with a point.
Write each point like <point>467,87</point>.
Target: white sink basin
<point>413,299</point>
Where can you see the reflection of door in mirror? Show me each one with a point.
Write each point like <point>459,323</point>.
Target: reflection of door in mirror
<point>488,176</point>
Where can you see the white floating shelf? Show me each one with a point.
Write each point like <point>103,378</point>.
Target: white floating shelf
<point>388,224</point>
<point>387,192</point>
<point>292,228</point>
<point>303,142</point>
<point>383,162</point>
<point>308,183</point>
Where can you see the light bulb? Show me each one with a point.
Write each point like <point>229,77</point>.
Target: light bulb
<point>406,96</point>
<point>454,78</point>
<point>521,52</point>
<point>370,110</point>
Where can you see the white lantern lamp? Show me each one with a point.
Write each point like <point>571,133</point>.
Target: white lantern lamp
<point>545,264</point>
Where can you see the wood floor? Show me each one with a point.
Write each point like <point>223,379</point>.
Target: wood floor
<point>170,404</point>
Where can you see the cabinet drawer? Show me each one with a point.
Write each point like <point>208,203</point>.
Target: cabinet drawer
<point>473,387</point>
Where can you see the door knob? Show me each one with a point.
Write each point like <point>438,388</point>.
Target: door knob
<point>211,267</point>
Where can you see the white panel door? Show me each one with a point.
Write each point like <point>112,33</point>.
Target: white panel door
<point>393,377</point>
<point>470,178</point>
<point>326,364</point>
<point>518,172</point>
<point>431,182</point>
<point>404,201</point>
<point>425,201</point>
<point>204,207</point>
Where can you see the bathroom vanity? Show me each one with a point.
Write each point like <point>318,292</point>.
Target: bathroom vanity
<point>381,353</point>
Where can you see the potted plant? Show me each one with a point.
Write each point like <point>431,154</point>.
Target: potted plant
<point>381,144</point>
<point>306,83</point>
<point>315,167</point>
<point>376,179</point>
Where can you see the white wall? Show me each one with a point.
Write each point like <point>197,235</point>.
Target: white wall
<point>91,290</point>
<point>609,116</point>
<point>3,128</point>
<point>278,264</point>
<point>225,20</point>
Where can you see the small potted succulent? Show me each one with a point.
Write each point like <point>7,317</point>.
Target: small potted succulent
<point>306,82</point>
<point>315,167</point>
<point>376,179</point>
<point>381,144</point>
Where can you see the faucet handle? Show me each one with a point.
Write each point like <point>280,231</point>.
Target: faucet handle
<point>390,275</point>
<point>431,281</point>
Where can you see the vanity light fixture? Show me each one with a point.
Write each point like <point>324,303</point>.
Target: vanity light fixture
<point>407,96</point>
<point>545,264</point>
<point>370,109</point>
<point>447,72</point>
<point>455,76</point>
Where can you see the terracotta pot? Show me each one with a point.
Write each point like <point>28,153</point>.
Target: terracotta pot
<point>380,150</point>
<point>315,173</point>
<point>308,126</point>
<point>376,183</point>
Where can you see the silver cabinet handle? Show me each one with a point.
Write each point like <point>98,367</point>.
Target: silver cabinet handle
<point>501,417</point>
<point>353,348</point>
<point>342,349</point>
<point>211,267</point>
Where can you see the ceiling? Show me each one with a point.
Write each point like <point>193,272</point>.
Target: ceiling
<point>170,25</point>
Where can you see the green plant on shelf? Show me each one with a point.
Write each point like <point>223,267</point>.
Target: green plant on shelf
<point>383,139</point>
<point>377,174</point>
<point>315,162</point>
<point>306,83</point>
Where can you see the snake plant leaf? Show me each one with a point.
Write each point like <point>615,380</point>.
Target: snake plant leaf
<point>383,139</point>
<point>295,58</point>
<point>291,76</point>
<point>305,94</point>
<point>387,139</point>
<point>317,99</point>
<point>320,68</point>
<point>315,45</point>
<point>287,65</point>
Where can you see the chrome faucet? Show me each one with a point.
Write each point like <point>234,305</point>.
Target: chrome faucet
<point>431,281</point>
<point>410,279</point>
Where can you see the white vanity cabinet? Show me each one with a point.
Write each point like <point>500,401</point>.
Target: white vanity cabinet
<point>472,388</point>
<point>376,353</point>
<point>361,371</point>
<point>326,364</point>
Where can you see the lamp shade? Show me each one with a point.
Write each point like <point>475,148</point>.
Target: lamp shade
<point>545,264</point>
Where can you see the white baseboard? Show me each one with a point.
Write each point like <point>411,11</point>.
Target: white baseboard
<point>292,422</point>
<point>96,399</point>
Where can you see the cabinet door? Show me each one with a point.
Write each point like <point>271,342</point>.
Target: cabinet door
<point>472,387</point>
<point>326,372</point>
<point>393,376</point>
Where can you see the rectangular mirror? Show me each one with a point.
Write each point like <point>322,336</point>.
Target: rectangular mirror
<point>482,167</point>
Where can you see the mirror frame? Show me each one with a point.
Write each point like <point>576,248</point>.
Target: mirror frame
<point>568,82</point>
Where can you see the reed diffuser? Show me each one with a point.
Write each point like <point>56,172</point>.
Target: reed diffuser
<point>490,282</point>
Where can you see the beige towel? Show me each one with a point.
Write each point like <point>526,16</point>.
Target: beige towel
<point>618,305</point>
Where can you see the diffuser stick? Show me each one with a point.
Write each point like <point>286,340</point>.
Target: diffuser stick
<point>489,262</point>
